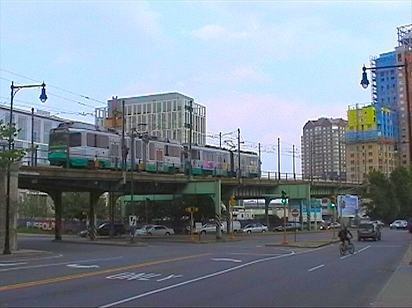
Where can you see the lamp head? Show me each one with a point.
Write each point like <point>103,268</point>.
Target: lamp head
<point>43,96</point>
<point>364,82</point>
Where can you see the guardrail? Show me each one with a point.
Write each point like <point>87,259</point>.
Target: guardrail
<point>40,158</point>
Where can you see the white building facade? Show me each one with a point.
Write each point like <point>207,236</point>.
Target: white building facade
<point>34,127</point>
<point>165,115</point>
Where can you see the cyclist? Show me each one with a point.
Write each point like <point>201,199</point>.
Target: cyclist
<point>344,235</point>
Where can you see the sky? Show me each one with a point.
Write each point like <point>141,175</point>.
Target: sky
<point>264,67</point>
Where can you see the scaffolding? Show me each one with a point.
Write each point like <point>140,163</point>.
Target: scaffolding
<point>405,36</point>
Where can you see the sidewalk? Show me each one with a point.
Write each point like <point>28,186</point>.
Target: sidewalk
<point>398,291</point>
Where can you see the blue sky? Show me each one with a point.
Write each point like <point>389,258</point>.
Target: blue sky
<point>266,67</point>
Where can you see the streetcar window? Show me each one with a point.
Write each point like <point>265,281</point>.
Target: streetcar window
<point>58,139</point>
<point>97,141</point>
<point>75,140</point>
<point>91,140</point>
<point>102,141</point>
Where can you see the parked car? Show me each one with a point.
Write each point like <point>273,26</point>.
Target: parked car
<point>369,230</point>
<point>160,230</point>
<point>290,226</point>
<point>399,224</point>
<point>143,230</point>
<point>255,228</point>
<point>379,223</point>
<point>334,225</point>
<point>83,233</point>
<point>104,229</point>
<point>208,228</point>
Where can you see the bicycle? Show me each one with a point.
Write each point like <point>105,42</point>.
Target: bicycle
<point>344,248</point>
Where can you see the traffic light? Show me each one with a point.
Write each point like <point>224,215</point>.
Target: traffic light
<point>283,201</point>
<point>332,202</point>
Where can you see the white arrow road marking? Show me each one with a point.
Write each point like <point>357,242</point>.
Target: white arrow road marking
<point>316,267</point>
<point>12,264</point>
<point>82,266</point>
<point>226,259</point>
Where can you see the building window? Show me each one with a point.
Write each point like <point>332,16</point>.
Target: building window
<point>22,126</point>
<point>36,131</point>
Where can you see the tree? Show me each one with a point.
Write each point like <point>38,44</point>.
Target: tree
<point>76,205</point>
<point>6,155</point>
<point>35,205</point>
<point>401,179</point>
<point>391,197</point>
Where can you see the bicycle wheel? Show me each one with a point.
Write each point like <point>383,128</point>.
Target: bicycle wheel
<point>351,248</point>
<point>342,249</point>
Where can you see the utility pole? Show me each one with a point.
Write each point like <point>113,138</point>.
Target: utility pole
<point>278,159</point>
<point>293,159</point>
<point>32,138</point>
<point>123,140</point>
<point>238,154</point>
<point>260,163</point>
<point>220,140</point>
<point>189,156</point>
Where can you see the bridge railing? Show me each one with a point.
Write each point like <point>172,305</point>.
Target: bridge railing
<point>40,158</point>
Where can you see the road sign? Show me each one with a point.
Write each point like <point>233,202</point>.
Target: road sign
<point>132,220</point>
<point>295,213</point>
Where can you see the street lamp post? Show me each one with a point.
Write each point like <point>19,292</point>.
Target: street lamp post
<point>365,83</point>
<point>43,98</point>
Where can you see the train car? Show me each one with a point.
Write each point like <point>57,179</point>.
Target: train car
<point>80,145</point>
<point>160,155</point>
<point>209,160</point>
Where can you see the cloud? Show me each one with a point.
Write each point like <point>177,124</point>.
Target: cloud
<point>210,32</point>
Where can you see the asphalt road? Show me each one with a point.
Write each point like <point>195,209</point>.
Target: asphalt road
<point>230,274</point>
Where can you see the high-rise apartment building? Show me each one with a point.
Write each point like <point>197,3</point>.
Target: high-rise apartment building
<point>391,82</point>
<point>323,149</point>
<point>165,115</point>
<point>370,142</point>
<point>404,57</point>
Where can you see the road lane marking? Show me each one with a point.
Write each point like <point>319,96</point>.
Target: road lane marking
<point>253,254</point>
<point>58,264</point>
<point>36,283</point>
<point>82,266</point>
<point>169,277</point>
<point>364,248</point>
<point>12,264</point>
<point>226,259</point>
<point>129,299</point>
<point>316,267</point>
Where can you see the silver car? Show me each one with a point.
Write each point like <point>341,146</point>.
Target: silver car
<point>255,228</point>
<point>143,230</point>
<point>399,224</point>
<point>160,230</point>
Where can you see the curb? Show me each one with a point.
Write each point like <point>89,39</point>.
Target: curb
<point>304,244</point>
<point>20,255</point>
<point>97,242</point>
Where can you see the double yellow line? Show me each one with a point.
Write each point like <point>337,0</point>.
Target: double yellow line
<point>91,274</point>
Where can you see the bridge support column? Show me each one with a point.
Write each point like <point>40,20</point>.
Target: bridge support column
<point>308,208</point>
<point>218,209</point>
<point>94,197</point>
<point>58,213</point>
<point>267,201</point>
<point>112,200</point>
